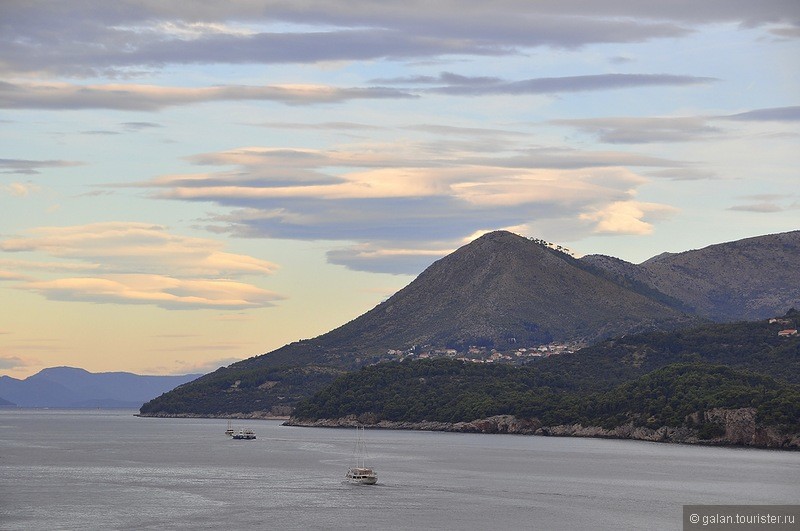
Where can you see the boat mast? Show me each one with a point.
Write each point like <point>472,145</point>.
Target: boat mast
<point>361,448</point>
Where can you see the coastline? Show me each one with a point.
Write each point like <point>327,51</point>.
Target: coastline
<point>255,415</point>
<point>739,424</point>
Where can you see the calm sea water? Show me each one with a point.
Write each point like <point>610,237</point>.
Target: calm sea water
<point>111,470</point>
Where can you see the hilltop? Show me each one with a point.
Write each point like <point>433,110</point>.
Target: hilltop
<point>500,292</point>
<point>504,290</point>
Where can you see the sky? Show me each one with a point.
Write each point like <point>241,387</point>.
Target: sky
<point>186,184</point>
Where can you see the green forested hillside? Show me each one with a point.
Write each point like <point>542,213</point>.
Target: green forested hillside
<point>751,346</point>
<point>454,391</point>
<point>651,379</point>
<point>231,391</point>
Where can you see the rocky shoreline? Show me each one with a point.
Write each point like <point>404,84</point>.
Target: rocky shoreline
<point>253,415</point>
<point>740,429</point>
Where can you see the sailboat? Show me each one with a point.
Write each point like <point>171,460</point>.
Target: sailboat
<point>244,434</point>
<point>360,474</point>
<point>229,432</point>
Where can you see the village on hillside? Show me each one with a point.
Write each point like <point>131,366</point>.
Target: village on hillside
<point>524,355</point>
<point>479,354</point>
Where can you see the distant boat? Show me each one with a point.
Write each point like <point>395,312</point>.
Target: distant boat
<point>246,434</point>
<point>230,431</point>
<point>360,474</point>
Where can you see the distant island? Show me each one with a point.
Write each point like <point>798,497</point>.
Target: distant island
<point>70,387</point>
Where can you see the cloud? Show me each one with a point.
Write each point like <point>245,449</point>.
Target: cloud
<point>546,187</point>
<point>570,158</point>
<point>762,208</point>
<point>28,266</point>
<point>130,127</point>
<point>459,85</point>
<point>788,32</point>
<point>385,257</point>
<point>396,175</point>
<point>627,217</point>
<point>682,174</point>
<point>125,246</point>
<point>333,126</point>
<point>139,97</point>
<point>484,133</point>
<point>10,275</point>
<point>391,199</point>
<point>444,78</point>
<point>768,203</point>
<point>554,85</point>
<point>774,114</point>
<point>13,362</point>
<point>642,130</point>
<point>138,263</point>
<point>32,167</point>
<point>91,38</point>
<point>166,292</point>
<point>20,189</point>
<point>131,97</point>
<point>139,126</point>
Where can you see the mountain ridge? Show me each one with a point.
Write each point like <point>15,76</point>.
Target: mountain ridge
<point>501,286</point>
<point>501,291</point>
<point>71,387</point>
<point>705,283</point>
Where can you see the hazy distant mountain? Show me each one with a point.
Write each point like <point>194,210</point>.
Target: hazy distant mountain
<point>746,279</point>
<point>68,387</point>
<point>504,291</point>
<point>6,403</point>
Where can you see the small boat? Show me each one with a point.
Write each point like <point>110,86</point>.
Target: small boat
<point>360,474</point>
<point>244,434</point>
<point>230,431</point>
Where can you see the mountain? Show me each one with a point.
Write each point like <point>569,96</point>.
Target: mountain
<point>68,387</point>
<point>747,279</point>
<point>500,291</point>
<point>6,403</point>
<point>503,291</point>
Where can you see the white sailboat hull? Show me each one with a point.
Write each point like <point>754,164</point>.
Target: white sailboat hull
<point>362,476</point>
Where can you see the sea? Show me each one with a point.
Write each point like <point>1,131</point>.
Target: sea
<point>108,469</point>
